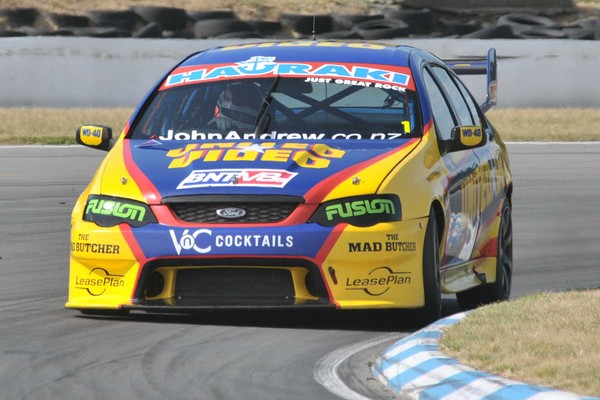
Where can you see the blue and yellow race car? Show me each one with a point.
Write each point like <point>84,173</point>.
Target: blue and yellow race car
<point>346,175</point>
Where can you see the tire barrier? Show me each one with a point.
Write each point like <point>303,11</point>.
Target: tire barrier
<point>382,29</point>
<point>124,20</point>
<point>61,21</point>
<point>212,28</point>
<point>385,23</point>
<point>17,17</point>
<point>171,19</point>
<point>303,24</point>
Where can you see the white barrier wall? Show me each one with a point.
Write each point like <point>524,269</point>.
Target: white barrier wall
<point>89,72</point>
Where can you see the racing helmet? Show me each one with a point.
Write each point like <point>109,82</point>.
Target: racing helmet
<point>238,106</point>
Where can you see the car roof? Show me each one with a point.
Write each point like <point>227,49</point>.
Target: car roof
<point>315,51</point>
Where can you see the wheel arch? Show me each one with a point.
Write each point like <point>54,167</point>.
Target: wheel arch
<point>439,216</point>
<point>509,192</point>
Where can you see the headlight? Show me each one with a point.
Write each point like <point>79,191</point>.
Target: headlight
<point>360,211</point>
<point>110,211</point>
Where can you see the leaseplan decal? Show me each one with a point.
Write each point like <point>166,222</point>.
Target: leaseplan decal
<point>276,178</point>
<point>264,67</point>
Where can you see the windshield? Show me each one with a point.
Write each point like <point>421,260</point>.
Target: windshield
<point>281,108</point>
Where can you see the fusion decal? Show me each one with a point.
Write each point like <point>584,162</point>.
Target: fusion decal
<point>359,211</point>
<point>115,208</point>
<point>110,211</point>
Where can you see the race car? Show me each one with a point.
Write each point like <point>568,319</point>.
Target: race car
<point>298,174</point>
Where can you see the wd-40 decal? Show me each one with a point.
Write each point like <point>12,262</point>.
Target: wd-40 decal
<point>264,67</point>
<point>304,155</point>
<point>276,178</point>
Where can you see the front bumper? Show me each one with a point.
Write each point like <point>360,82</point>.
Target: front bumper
<point>159,268</point>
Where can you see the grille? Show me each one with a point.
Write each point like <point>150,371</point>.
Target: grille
<point>259,212</point>
<point>234,283</point>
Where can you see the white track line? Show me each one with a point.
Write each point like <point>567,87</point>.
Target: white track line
<point>325,370</point>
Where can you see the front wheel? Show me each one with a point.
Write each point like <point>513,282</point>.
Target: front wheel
<point>432,311</point>
<point>500,289</point>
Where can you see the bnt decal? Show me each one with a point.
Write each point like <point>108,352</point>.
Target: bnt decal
<point>275,178</point>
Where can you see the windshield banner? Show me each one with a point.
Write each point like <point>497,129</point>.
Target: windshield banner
<point>380,76</point>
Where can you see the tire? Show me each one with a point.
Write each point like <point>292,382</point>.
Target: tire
<point>59,20</point>
<point>15,17</point>
<point>240,35</point>
<point>525,22</point>
<point>500,290</point>
<point>214,14</point>
<point>124,20</point>
<point>419,21</point>
<point>11,33</point>
<point>381,29</point>
<point>432,311</point>
<point>344,22</point>
<point>101,32</point>
<point>494,32</point>
<point>150,30</point>
<point>59,32</point>
<point>343,34</point>
<point>29,30</point>
<point>450,27</point>
<point>215,27</point>
<point>580,33</point>
<point>304,24</point>
<point>542,33</point>
<point>266,27</point>
<point>171,19</point>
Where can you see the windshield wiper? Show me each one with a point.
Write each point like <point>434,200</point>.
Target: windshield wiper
<point>263,118</point>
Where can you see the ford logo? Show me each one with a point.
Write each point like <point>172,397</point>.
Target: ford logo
<point>231,212</point>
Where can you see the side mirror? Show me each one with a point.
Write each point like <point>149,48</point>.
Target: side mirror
<point>467,137</point>
<point>95,136</point>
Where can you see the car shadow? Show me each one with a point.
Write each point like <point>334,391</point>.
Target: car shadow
<point>318,319</point>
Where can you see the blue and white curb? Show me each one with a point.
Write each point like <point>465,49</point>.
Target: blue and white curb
<point>415,367</point>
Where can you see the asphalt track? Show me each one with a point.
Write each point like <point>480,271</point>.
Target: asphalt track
<point>47,352</point>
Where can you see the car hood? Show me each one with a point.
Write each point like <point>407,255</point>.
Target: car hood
<point>178,168</point>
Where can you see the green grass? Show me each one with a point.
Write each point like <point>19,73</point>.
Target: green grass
<point>546,339</point>
<point>57,126</point>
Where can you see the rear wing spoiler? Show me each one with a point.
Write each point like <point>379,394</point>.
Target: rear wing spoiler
<point>480,66</point>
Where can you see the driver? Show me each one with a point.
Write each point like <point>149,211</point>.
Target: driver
<point>238,107</point>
